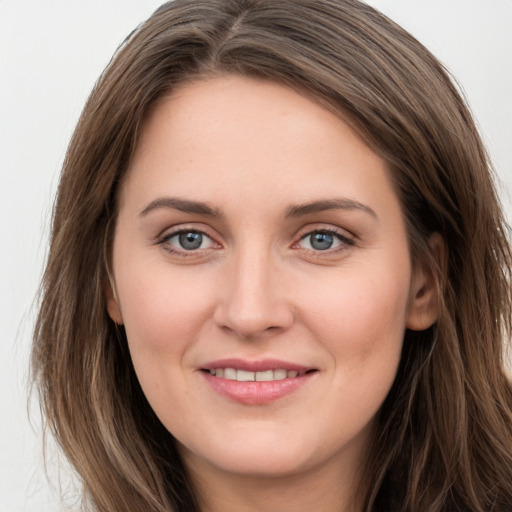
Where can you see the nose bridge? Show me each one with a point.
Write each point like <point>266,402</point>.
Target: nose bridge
<point>254,299</point>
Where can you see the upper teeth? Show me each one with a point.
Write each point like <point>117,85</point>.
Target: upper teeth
<point>245,376</point>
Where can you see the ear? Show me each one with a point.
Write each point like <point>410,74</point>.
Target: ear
<point>113,309</point>
<point>423,308</point>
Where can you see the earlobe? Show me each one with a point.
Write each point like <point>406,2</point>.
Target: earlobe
<point>423,309</point>
<point>113,309</point>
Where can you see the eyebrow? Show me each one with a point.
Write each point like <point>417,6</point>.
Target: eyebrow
<point>300,210</point>
<point>182,205</point>
<point>328,204</point>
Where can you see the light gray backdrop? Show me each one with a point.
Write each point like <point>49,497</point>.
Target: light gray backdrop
<point>51,52</point>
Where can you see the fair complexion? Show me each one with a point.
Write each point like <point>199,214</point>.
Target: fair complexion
<point>258,234</point>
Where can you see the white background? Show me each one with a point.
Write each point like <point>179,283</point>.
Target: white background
<point>51,52</point>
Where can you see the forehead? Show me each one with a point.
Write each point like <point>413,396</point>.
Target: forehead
<point>241,139</point>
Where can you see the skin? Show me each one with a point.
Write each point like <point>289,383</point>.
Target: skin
<point>257,288</point>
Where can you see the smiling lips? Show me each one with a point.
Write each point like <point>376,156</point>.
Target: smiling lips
<point>262,376</point>
<point>256,383</point>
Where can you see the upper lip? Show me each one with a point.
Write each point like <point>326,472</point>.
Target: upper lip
<point>255,365</point>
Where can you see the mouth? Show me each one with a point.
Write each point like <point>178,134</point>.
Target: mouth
<point>256,382</point>
<point>256,376</point>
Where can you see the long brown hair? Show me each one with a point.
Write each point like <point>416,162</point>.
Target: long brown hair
<point>444,436</point>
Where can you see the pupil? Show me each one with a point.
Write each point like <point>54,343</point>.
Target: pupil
<point>191,241</point>
<point>321,241</point>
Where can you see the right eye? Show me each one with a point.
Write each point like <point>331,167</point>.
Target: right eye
<point>187,240</point>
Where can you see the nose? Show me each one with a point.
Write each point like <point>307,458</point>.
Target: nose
<point>253,300</point>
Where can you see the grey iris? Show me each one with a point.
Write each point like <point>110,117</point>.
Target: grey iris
<point>321,241</point>
<point>190,240</point>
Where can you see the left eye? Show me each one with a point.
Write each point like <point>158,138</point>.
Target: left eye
<point>190,240</point>
<point>323,241</point>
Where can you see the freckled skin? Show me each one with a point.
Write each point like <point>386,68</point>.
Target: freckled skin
<point>256,289</point>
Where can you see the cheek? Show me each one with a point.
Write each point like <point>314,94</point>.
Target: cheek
<point>361,322</point>
<point>164,317</point>
<point>163,311</point>
<point>363,333</point>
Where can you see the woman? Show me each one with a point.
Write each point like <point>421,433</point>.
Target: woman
<point>279,275</point>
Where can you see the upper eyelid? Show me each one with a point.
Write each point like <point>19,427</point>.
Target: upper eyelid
<point>169,232</point>
<point>344,240</point>
<point>335,230</point>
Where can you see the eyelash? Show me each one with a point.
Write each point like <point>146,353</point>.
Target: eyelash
<point>344,242</point>
<point>164,241</point>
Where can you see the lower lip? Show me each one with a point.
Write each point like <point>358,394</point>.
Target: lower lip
<point>256,393</point>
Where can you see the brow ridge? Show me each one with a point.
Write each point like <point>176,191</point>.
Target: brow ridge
<point>183,205</point>
<point>301,210</point>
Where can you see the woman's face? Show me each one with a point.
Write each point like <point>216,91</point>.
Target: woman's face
<point>262,273</point>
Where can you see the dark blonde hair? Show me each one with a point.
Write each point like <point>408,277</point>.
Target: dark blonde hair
<point>443,436</point>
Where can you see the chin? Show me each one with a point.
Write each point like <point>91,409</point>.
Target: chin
<point>263,456</point>
<point>258,463</point>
